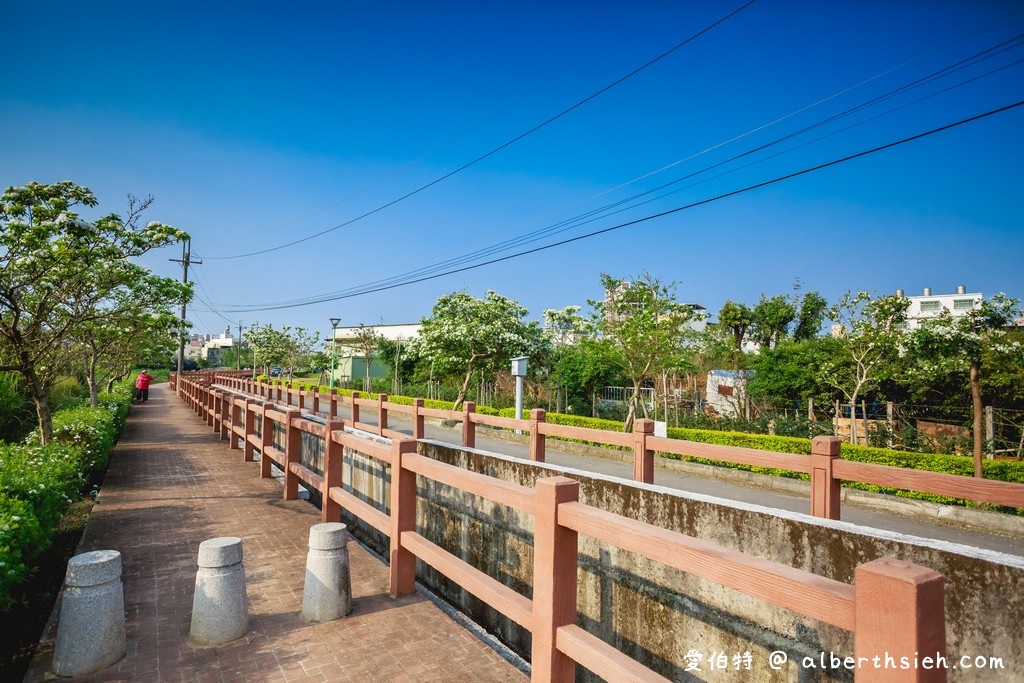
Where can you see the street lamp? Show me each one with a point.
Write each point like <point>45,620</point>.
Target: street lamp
<point>334,344</point>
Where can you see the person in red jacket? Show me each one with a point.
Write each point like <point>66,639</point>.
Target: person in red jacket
<point>142,386</point>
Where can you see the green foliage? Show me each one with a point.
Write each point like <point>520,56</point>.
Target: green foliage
<point>787,375</point>
<point>735,319</point>
<point>37,482</point>
<point>16,412</point>
<point>45,477</point>
<point>771,319</point>
<point>810,316</point>
<point>583,369</point>
<point>20,537</point>
<point>70,288</point>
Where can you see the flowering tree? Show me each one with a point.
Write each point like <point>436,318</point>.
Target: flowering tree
<point>465,334</point>
<point>868,338</point>
<point>60,274</point>
<point>644,327</point>
<point>291,348</point>
<point>947,346</point>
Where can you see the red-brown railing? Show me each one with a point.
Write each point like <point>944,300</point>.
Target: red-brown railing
<point>825,466</point>
<point>893,607</point>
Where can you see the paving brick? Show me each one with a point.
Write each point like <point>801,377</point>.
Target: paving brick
<point>173,484</point>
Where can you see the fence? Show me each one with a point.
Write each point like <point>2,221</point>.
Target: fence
<point>893,607</point>
<point>825,466</point>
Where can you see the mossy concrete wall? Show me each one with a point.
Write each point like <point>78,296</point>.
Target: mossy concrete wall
<point>661,616</point>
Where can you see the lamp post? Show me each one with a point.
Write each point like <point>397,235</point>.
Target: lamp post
<point>334,344</point>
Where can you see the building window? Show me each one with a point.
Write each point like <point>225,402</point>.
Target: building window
<point>929,305</point>
<point>963,304</point>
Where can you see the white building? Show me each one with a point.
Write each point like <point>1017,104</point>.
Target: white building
<point>930,305</point>
<point>347,337</point>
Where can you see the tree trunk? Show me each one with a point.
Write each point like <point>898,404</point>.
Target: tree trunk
<point>90,379</point>
<point>42,402</point>
<point>464,390</point>
<point>978,414</point>
<point>634,402</point>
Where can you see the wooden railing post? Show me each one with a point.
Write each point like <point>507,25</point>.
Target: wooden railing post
<point>333,401</point>
<point>266,441</point>
<point>226,401</point>
<point>900,616</point>
<point>643,457</point>
<point>403,518</point>
<point>250,429</point>
<point>302,397</point>
<point>825,492</point>
<point>236,419</point>
<point>468,428</point>
<point>211,406</point>
<point>382,414</point>
<point>316,400</point>
<point>355,409</point>
<point>537,416</point>
<point>292,451</point>
<point>417,418</point>
<point>554,579</point>
<point>330,511</point>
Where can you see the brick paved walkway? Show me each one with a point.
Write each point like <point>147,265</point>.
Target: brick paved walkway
<point>171,485</point>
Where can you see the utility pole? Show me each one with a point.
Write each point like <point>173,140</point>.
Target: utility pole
<point>238,351</point>
<point>186,258</point>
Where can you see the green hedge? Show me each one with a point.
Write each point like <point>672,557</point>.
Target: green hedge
<point>20,533</point>
<point>37,483</point>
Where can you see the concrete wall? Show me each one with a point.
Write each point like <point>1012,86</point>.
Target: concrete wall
<point>659,615</point>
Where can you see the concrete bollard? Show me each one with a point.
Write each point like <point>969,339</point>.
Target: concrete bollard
<point>90,634</point>
<point>327,594</point>
<point>219,607</point>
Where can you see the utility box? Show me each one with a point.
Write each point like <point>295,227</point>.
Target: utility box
<point>519,366</point>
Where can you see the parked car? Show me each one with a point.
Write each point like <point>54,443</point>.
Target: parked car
<point>275,372</point>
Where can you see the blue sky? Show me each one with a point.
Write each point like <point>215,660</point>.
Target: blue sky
<point>255,126</point>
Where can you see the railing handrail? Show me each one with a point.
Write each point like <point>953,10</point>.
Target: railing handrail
<point>865,608</point>
<point>645,444</point>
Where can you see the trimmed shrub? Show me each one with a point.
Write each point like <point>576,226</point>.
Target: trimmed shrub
<point>21,537</point>
<point>45,477</point>
<point>37,483</point>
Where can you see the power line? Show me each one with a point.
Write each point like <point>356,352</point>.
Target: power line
<point>497,149</point>
<point>452,139</point>
<point>606,210</point>
<point>662,214</point>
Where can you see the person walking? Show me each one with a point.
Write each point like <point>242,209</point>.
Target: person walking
<point>142,383</point>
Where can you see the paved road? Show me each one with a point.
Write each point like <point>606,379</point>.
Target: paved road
<point>718,488</point>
